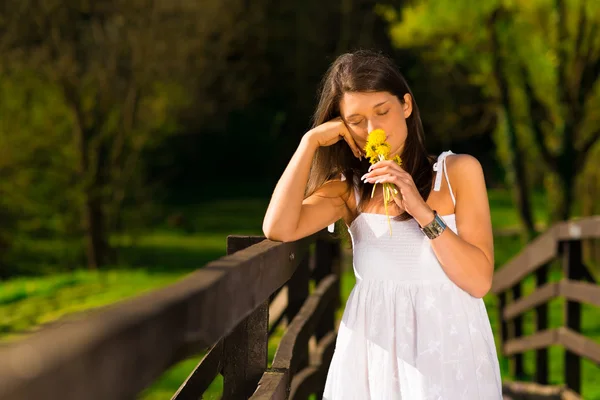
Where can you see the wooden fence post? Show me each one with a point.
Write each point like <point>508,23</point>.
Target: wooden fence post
<point>327,261</point>
<point>541,324</point>
<point>517,332</point>
<point>245,350</point>
<point>572,264</point>
<point>298,287</point>
<point>502,320</point>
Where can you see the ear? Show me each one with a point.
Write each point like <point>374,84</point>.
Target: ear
<point>407,106</point>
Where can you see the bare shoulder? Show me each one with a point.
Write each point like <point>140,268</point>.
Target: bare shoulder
<point>465,170</point>
<point>462,163</point>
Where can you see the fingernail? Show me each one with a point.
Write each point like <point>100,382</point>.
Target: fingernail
<point>370,168</point>
<point>363,177</point>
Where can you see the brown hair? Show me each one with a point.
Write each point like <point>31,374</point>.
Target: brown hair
<point>366,71</point>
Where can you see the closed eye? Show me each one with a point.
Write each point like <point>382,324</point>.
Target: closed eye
<point>355,122</point>
<point>383,113</point>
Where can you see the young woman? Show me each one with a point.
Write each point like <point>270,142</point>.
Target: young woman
<point>415,326</point>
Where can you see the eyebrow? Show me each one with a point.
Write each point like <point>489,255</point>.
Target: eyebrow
<point>375,106</point>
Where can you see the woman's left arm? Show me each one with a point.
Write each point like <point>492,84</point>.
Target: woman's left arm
<point>467,258</point>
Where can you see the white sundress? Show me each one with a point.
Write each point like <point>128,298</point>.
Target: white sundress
<point>408,332</point>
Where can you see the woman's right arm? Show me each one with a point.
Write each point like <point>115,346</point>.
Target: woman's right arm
<point>289,216</point>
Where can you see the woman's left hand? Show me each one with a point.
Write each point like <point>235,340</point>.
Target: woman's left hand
<point>408,197</point>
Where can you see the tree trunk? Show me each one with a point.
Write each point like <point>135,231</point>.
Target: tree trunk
<point>93,178</point>
<point>516,163</point>
<point>520,185</point>
<point>567,176</point>
<point>96,245</point>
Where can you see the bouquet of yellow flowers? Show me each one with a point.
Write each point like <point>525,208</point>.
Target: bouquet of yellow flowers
<point>377,149</point>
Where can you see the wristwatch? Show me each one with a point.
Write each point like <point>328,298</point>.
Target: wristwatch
<point>435,227</point>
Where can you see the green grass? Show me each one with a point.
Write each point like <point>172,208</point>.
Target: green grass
<point>504,213</point>
<point>194,235</point>
<point>28,304</point>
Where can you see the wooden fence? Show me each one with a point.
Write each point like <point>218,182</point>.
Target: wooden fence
<point>230,306</point>
<point>561,243</point>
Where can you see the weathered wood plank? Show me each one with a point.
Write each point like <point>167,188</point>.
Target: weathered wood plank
<point>585,228</point>
<point>534,391</point>
<point>312,379</point>
<point>540,251</point>
<point>531,342</point>
<point>582,292</point>
<point>580,345</point>
<point>538,297</point>
<point>323,354</point>
<point>274,385</point>
<point>543,249</point>
<point>140,338</point>
<point>305,383</point>
<point>202,376</point>
<point>295,340</point>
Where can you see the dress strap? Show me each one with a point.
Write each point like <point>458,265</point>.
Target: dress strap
<point>438,167</point>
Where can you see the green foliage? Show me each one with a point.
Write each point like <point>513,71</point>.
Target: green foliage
<point>88,94</point>
<point>560,68</point>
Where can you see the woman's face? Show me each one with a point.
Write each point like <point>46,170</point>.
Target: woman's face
<point>366,111</point>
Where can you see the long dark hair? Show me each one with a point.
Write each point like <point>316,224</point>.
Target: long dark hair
<point>366,71</point>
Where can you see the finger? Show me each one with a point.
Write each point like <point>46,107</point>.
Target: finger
<point>380,172</point>
<point>386,163</point>
<point>344,136</point>
<point>348,138</point>
<point>384,178</point>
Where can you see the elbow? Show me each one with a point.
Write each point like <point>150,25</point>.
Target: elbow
<point>274,234</point>
<point>269,232</point>
<point>482,289</point>
<point>270,235</point>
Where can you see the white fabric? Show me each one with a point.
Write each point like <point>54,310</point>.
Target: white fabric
<point>408,332</point>
<point>439,166</point>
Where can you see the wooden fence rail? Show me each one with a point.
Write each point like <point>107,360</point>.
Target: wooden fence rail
<point>563,243</point>
<point>230,307</point>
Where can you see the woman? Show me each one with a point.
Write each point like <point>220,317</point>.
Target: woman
<point>415,326</point>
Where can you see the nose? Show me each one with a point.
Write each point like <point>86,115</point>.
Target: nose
<point>371,126</point>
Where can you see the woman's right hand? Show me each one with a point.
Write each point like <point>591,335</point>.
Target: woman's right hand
<point>331,132</point>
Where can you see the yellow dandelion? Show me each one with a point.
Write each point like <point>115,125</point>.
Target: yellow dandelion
<point>376,146</point>
<point>377,149</point>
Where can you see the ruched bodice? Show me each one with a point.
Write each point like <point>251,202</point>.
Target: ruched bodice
<point>404,256</point>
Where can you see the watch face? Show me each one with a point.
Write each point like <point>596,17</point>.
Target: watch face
<point>435,228</point>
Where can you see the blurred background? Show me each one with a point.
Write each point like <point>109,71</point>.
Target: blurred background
<point>135,135</point>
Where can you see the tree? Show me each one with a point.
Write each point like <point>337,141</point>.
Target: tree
<point>123,70</point>
<point>540,60</point>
